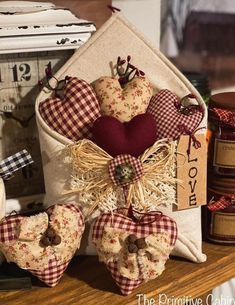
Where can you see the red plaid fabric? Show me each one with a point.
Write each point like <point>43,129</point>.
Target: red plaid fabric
<point>52,274</point>
<point>148,224</point>
<point>226,117</point>
<point>163,107</point>
<point>8,228</point>
<point>126,285</point>
<point>125,160</point>
<point>221,204</point>
<point>54,270</point>
<point>72,117</point>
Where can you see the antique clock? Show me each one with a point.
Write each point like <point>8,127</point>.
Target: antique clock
<point>33,36</point>
<point>20,74</point>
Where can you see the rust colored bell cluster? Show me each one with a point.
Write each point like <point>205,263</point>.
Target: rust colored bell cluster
<point>135,244</point>
<point>50,238</point>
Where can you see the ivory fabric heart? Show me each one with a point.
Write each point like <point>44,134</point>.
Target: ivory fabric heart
<point>72,116</point>
<point>134,250</point>
<point>45,243</point>
<point>131,138</point>
<point>169,120</point>
<point>123,103</point>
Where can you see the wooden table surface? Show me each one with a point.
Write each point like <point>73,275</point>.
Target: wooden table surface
<point>87,282</point>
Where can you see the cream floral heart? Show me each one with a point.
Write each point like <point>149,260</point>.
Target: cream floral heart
<point>123,103</point>
<point>45,243</point>
<point>134,250</point>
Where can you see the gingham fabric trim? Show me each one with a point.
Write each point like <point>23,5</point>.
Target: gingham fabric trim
<point>127,160</point>
<point>126,285</point>
<point>226,117</point>
<point>72,117</point>
<point>221,204</point>
<point>149,224</point>
<point>162,107</point>
<point>8,228</point>
<point>52,274</point>
<point>13,163</point>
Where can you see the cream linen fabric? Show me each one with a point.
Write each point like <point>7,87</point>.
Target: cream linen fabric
<point>96,58</point>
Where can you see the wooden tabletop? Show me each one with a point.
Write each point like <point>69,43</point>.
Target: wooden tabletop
<point>87,282</point>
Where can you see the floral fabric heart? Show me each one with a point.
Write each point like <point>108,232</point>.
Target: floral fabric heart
<point>134,251</point>
<point>131,138</point>
<point>123,103</point>
<point>72,116</point>
<point>169,120</point>
<point>22,241</point>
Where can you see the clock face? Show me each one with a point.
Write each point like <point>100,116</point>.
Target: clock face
<point>19,77</point>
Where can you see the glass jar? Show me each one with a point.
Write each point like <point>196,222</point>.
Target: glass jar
<point>221,222</point>
<point>221,150</point>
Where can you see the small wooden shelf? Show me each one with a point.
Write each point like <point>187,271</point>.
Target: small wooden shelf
<point>87,282</point>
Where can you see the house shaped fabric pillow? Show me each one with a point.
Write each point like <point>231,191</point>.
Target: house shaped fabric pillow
<point>96,58</point>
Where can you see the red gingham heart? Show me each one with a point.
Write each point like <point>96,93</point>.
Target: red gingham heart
<point>73,116</point>
<point>168,119</point>
<point>150,223</point>
<point>54,269</point>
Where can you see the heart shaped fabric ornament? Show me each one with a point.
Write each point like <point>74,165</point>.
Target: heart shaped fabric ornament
<point>134,251</point>
<point>165,108</point>
<point>72,116</point>
<point>123,103</point>
<point>131,138</point>
<point>45,243</point>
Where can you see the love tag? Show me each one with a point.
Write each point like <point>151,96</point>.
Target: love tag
<point>191,171</point>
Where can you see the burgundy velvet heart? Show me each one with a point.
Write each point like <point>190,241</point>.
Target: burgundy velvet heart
<point>132,137</point>
<point>74,114</point>
<point>169,120</point>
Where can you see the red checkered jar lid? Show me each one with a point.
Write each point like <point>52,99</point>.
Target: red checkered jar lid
<point>221,157</point>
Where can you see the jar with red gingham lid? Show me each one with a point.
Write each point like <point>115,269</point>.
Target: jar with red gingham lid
<point>221,215</point>
<point>221,153</point>
<point>221,169</point>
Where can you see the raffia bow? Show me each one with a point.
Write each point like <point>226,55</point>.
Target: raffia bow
<point>146,263</point>
<point>92,181</point>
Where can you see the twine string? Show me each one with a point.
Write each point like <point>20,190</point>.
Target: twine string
<point>143,218</point>
<point>192,137</point>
